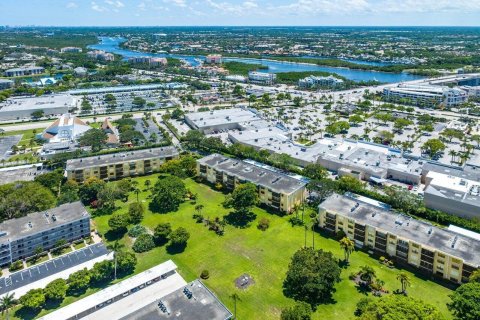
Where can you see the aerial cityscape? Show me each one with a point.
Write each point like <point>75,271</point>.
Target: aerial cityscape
<point>217,160</point>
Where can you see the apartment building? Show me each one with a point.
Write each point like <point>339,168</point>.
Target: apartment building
<point>262,77</point>
<point>71,50</point>
<point>214,59</point>
<point>20,238</point>
<point>6,84</point>
<point>275,189</point>
<point>100,55</point>
<point>313,81</point>
<point>426,95</point>
<point>441,252</point>
<point>120,165</point>
<point>19,72</point>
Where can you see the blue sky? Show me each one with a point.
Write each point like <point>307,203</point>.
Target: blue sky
<point>240,12</point>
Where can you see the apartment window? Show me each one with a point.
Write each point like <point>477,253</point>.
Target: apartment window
<point>455,267</point>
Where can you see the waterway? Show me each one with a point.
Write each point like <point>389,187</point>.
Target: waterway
<point>112,45</point>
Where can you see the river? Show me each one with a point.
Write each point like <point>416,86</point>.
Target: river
<point>112,45</point>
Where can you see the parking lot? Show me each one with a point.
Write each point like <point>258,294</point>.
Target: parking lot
<point>6,144</point>
<point>33,274</point>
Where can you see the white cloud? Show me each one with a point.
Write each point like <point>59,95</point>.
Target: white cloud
<point>230,8</point>
<point>178,3</point>
<point>97,7</point>
<point>330,7</point>
<point>116,4</point>
<point>71,5</point>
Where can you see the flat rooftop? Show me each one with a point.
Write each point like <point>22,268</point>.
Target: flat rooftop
<point>115,158</point>
<point>36,222</point>
<point>447,241</point>
<point>172,85</point>
<point>223,116</point>
<point>116,300</point>
<point>35,103</point>
<point>203,305</point>
<point>454,188</point>
<point>273,180</point>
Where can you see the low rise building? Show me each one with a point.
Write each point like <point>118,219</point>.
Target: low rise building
<point>119,165</point>
<point>452,194</point>
<point>22,107</point>
<point>100,55</point>
<point>235,78</point>
<point>6,84</point>
<point>151,61</point>
<point>80,72</point>
<point>214,59</point>
<point>370,224</point>
<point>425,95</point>
<point>71,50</point>
<point>262,77</point>
<point>313,81</point>
<point>67,128</point>
<point>28,71</point>
<point>20,238</point>
<point>275,189</point>
<point>218,120</point>
<point>157,293</point>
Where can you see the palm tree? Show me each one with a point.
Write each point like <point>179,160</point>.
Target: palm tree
<point>348,246</point>
<point>115,247</point>
<point>452,153</point>
<point>6,302</point>
<point>235,298</point>
<point>404,280</point>
<point>368,274</point>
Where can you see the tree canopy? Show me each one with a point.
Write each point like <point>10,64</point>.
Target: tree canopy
<point>311,276</point>
<point>398,307</point>
<point>243,198</point>
<point>465,303</point>
<point>168,193</point>
<point>94,138</point>
<point>300,311</point>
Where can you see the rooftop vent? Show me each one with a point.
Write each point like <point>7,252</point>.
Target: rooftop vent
<point>30,225</point>
<point>454,241</point>
<point>54,217</point>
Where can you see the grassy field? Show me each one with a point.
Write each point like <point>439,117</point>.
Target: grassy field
<point>263,255</point>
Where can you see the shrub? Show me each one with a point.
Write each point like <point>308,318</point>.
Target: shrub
<point>136,231</point>
<point>263,224</point>
<point>198,218</point>
<point>205,274</point>
<point>295,221</point>
<point>382,259</point>
<point>144,243</point>
<point>17,265</point>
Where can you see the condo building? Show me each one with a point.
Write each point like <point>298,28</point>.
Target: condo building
<point>120,165</point>
<point>313,81</point>
<point>6,84</point>
<point>426,95</point>
<point>19,72</point>
<point>444,253</point>
<point>275,189</point>
<point>71,50</point>
<point>20,238</point>
<point>214,59</point>
<point>262,77</point>
<point>100,55</point>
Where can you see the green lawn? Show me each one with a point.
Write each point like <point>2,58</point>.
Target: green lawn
<point>39,260</point>
<point>263,255</point>
<point>79,245</point>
